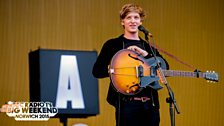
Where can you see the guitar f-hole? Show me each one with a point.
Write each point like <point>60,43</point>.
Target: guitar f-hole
<point>136,58</point>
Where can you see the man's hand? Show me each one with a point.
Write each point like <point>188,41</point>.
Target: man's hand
<point>138,50</point>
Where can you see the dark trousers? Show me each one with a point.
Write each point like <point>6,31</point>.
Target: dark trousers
<point>137,113</point>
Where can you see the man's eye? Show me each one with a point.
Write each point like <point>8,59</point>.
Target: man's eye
<point>137,17</point>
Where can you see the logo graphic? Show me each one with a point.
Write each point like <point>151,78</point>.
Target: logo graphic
<point>29,111</point>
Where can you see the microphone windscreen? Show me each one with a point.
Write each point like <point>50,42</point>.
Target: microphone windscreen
<point>141,28</point>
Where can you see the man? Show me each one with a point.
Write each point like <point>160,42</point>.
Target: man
<point>141,109</point>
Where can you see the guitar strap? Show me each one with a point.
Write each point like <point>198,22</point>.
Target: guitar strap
<point>172,56</point>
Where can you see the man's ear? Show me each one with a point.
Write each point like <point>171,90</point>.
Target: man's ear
<point>141,23</point>
<point>122,22</point>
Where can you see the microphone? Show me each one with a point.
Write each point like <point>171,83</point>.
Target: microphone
<point>146,32</point>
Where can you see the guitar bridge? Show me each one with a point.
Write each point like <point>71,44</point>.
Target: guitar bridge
<point>139,70</point>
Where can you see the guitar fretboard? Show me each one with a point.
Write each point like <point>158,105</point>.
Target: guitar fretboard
<point>170,73</point>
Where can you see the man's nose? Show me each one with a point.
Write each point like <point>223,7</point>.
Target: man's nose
<point>132,20</point>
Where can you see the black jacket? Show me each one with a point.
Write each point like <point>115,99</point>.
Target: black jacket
<point>100,69</point>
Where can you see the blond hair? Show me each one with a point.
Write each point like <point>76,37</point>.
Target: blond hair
<point>127,8</point>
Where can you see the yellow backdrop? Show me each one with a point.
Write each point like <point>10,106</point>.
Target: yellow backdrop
<point>192,30</point>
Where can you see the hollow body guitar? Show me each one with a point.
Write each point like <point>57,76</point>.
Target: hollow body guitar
<point>130,72</point>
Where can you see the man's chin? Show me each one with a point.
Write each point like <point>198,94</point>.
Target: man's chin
<point>133,30</point>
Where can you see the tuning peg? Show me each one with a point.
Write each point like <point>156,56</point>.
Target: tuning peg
<point>209,81</point>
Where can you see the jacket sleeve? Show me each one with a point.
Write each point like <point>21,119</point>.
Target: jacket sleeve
<point>100,68</point>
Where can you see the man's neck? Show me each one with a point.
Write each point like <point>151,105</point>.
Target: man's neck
<point>132,36</point>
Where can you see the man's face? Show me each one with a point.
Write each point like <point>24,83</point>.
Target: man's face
<point>131,22</point>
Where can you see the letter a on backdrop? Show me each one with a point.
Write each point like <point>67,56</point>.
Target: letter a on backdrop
<point>69,85</point>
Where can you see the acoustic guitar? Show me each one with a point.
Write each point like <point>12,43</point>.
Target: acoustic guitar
<point>130,72</point>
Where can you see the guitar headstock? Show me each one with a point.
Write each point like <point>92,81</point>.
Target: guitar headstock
<point>211,76</point>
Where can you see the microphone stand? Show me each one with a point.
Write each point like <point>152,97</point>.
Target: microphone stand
<point>171,100</point>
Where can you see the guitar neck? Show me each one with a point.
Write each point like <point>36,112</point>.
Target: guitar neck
<point>171,73</point>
